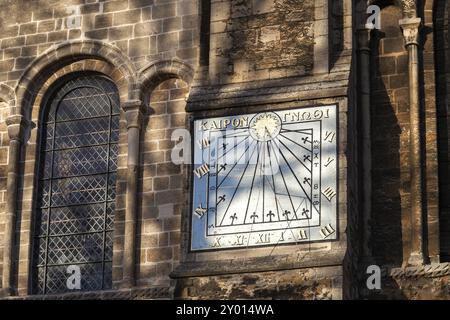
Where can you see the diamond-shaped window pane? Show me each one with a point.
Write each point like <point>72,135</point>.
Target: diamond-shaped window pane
<point>75,162</point>
<point>76,219</point>
<point>81,133</point>
<point>75,249</point>
<point>76,201</point>
<point>78,190</point>
<point>83,102</point>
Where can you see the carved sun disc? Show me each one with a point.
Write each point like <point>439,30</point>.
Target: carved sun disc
<point>265,126</point>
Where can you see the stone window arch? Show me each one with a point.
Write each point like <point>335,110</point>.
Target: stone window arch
<point>76,186</point>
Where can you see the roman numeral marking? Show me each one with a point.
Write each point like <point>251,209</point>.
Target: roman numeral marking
<point>204,143</point>
<point>263,238</point>
<point>302,235</point>
<point>329,193</point>
<point>217,242</point>
<point>200,211</point>
<point>329,161</point>
<point>329,136</point>
<point>327,231</point>
<point>201,171</point>
<point>239,241</point>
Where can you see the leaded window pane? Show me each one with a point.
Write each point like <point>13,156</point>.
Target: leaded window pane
<point>77,186</point>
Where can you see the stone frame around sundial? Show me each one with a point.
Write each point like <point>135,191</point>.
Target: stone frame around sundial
<point>287,201</point>
<point>266,257</point>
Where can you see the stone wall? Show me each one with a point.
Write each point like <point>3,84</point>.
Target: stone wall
<point>390,139</point>
<point>311,284</point>
<point>391,211</point>
<point>283,45</point>
<point>163,185</point>
<point>255,55</point>
<point>145,30</point>
<point>441,17</point>
<point>261,39</point>
<point>4,143</point>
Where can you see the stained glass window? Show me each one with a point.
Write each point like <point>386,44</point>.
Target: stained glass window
<point>77,178</point>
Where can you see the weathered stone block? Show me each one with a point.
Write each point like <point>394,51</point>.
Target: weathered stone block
<point>190,22</point>
<point>139,47</point>
<point>6,65</point>
<point>139,3</point>
<point>126,17</point>
<point>174,223</point>
<point>149,241</point>
<point>14,42</point>
<point>97,34</point>
<point>220,10</point>
<point>118,33</point>
<point>167,42</point>
<point>90,8</point>
<point>172,24</point>
<point>103,21</point>
<point>28,28</point>
<point>263,6</point>
<point>23,62</point>
<point>147,28</point>
<point>58,36</point>
<point>164,11</point>
<point>112,6</point>
<point>169,168</point>
<point>46,26</point>
<point>187,7</point>
<point>160,254</point>
<point>393,45</point>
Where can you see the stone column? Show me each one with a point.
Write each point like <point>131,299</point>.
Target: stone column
<point>363,53</point>
<point>321,37</point>
<point>411,27</point>
<point>133,113</point>
<point>16,124</point>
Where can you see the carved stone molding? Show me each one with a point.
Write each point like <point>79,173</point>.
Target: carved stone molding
<point>427,271</point>
<point>411,28</point>
<point>128,294</point>
<point>16,125</point>
<point>134,110</point>
<point>409,8</point>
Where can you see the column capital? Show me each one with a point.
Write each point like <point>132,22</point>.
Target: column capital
<point>134,110</point>
<point>411,28</point>
<point>16,125</point>
<point>363,36</point>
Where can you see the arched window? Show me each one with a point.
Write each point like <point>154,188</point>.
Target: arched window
<point>77,177</point>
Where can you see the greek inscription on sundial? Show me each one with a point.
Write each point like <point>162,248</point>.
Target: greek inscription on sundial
<point>265,179</point>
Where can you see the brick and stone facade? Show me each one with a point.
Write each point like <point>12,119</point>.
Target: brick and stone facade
<point>173,61</point>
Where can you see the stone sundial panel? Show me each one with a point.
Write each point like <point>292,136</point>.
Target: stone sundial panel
<point>267,178</point>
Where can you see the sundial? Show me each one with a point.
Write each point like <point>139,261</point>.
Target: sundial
<point>263,179</point>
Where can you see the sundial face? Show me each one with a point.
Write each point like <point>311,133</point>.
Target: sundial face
<point>265,179</point>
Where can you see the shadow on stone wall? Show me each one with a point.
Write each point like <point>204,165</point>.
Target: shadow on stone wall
<point>336,40</point>
<point>386,219</point>
<point>442,57</point>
